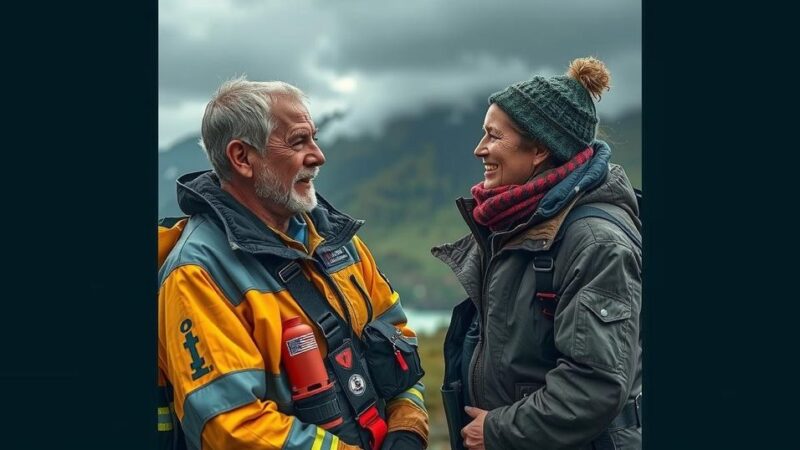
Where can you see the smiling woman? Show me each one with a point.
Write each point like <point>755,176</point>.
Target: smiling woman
<point>546,351</point>
<point>508,156</point>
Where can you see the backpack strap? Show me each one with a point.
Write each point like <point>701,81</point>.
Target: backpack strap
<point>588,210</point>
<point>363,399</point>
<point>543,262</point>
<point>311,301</point>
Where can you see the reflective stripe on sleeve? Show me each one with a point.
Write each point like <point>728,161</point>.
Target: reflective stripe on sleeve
<point>164,419</point>
<point>304,436</point>
<point>225,393</point>
<point>414,394</point>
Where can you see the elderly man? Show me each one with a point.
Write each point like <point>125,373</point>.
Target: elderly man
<point>262,252</point>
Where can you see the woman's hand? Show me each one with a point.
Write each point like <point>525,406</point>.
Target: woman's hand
<point>473,432</point>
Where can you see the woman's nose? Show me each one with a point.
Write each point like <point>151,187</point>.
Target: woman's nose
<point>481,150</point>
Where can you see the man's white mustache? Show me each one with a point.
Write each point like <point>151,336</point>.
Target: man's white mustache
<point>307,173</point>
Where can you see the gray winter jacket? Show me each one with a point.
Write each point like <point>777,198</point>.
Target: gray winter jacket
<point>553,381</point>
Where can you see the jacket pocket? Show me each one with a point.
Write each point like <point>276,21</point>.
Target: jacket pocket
<point>454,413</point>
<point>602,330</point>
<point>392,359</point>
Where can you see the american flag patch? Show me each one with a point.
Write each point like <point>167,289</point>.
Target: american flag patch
<point>301,344</point>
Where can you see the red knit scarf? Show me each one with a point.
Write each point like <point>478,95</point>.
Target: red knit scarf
<point>504,205</point>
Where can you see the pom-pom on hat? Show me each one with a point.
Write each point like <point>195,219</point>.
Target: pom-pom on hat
<point>559,111</point>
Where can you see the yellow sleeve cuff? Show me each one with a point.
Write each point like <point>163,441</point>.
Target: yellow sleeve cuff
<point>405,415</point>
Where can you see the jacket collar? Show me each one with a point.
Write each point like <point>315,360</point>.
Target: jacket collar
<point>542,236</point>
<point>200,193</point>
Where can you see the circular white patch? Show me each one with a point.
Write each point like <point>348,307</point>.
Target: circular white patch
<point>356,384</point>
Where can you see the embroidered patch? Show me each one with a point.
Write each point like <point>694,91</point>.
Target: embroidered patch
<point>345,359</point>
<point>356,384</point>
<point>333,257</point>
<point>198,364</point>
<point>301,344</point>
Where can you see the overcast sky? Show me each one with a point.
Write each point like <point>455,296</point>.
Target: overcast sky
<point>378,59</point>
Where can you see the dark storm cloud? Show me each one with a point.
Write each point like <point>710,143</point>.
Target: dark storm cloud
<point>380,59</point>
<point>197,53</point>
<point>543,33</point>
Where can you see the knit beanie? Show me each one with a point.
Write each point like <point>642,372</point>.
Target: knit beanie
<point>558,111</point>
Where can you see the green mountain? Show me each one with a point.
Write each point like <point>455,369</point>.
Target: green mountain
<point>404,183</point>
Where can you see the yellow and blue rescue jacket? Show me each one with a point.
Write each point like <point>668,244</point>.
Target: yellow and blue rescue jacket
<point>220,314</point>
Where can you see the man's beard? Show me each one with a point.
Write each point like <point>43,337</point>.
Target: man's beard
<point>268,187</point>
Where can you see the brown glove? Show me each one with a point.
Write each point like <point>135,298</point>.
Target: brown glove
<point>345,446</point>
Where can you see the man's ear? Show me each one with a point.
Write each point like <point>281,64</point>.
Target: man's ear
<point>238,154</point>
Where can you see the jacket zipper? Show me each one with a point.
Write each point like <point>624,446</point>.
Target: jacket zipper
<point>473,373</point>
<point>477,365</point>
<point>476,360</point>
<point>363,296</point>
<point>476,371</point>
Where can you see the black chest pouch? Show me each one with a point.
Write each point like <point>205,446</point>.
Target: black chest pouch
<point>392,358</point>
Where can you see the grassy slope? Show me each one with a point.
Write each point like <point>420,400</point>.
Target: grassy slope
<point>430,348</point>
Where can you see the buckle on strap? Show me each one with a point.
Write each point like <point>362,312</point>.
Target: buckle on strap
<point>289,271</point>
<point>328,324</point>
<point>542,263</point>
<point>630,416</point>
<point>372,422</point>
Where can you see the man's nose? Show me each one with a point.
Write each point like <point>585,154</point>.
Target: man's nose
<point>315,157</point>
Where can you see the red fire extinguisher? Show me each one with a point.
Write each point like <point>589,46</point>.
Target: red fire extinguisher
<point>305,368</point>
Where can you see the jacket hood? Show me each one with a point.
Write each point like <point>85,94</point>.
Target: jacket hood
<point>615,190</point>
<point>200,193</point>
<point>599,181</point>
<point>582,179</point>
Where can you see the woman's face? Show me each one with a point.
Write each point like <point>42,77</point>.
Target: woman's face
<point>508,158</point>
